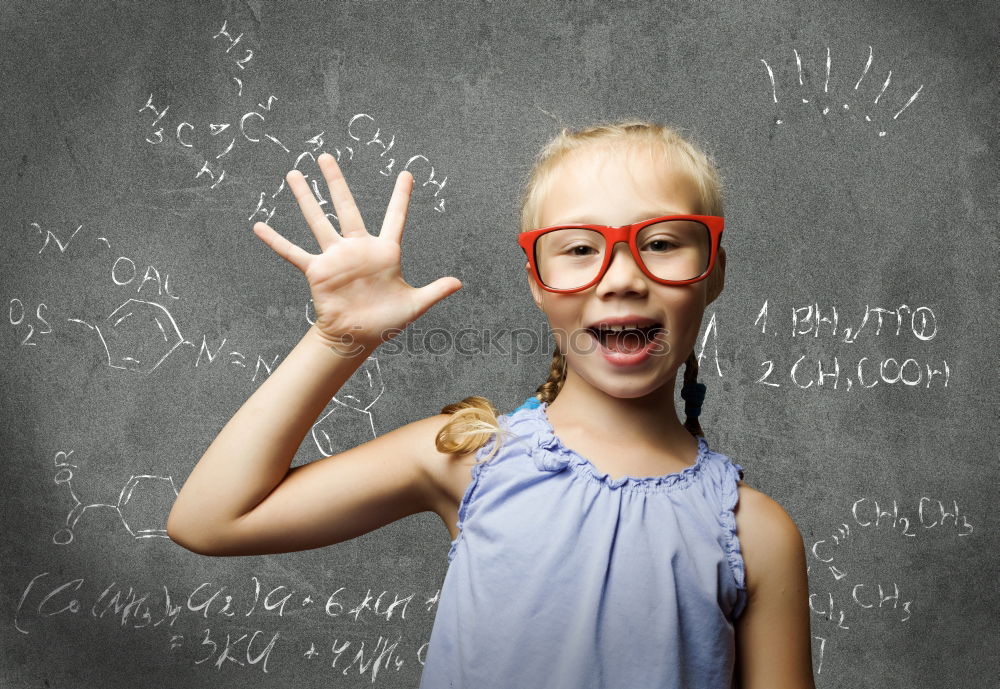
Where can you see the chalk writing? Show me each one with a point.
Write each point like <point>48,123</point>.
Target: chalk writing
<point>45,598</point>
<point>849,594</point>
<point>928,515</point>
<point>811,324</point>
<point>825,101</point>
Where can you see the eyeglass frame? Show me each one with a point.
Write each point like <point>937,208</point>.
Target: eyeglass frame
<point>628,234</point>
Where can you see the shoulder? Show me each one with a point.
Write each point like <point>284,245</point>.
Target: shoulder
<point>772,634</point>
<point>448,474</point>
<point>769,539</point>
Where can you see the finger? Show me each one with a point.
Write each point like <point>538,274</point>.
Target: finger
<point>351,223</point>
<point>395,213</point>
<point>428,295</point>
<point>295,255</point>
<point>315,217</point>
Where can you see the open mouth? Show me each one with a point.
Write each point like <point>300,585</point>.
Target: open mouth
<point>628,340</point>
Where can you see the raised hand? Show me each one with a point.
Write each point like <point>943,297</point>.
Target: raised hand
<point>357,285</point>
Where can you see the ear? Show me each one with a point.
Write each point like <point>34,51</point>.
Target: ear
<point>717,280</point>
<point>533,286</point>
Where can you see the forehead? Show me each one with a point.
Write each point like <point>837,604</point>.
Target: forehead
<point>616,186</point>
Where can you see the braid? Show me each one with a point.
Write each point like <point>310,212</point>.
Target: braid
<point>693,394</point>
<point>548,390</point>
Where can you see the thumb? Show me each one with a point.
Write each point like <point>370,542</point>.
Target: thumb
<point>428,295</point>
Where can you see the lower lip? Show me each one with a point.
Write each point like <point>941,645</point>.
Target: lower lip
<point>619,359</point>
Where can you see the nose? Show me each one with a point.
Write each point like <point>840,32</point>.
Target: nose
<point>623,274</point>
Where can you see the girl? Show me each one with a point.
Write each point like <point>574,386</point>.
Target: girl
<point>596,540</point>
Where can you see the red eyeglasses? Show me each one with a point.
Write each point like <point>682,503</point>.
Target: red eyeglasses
<point>671,250</point>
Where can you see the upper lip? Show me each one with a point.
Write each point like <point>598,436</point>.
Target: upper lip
<point>608,321</point>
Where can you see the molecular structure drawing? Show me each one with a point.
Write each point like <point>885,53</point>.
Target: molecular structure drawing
<point>142,505</point>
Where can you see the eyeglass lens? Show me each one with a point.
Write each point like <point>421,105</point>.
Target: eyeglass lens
<point>671,250</point>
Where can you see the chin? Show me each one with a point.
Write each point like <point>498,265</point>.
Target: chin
<point>628,389</point>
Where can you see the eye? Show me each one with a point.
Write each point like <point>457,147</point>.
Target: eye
<point>572,250</point>
<point>662,244</point>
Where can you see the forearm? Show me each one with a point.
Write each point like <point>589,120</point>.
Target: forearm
<point>253,452</point>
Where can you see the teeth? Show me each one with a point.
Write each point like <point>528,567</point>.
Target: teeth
<point>619,328</point>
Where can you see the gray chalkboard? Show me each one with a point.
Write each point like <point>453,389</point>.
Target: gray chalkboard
<point>850,362</point>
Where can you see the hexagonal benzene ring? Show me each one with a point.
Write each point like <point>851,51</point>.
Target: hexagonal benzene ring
<point>139,335</point>
<point>341,429</point>
<point>348,423</point>
<point>144,504</point>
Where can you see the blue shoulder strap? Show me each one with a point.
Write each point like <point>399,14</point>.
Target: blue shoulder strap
<point>529,403</point>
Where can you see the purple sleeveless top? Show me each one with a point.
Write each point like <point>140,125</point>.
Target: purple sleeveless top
<point>564,578</point>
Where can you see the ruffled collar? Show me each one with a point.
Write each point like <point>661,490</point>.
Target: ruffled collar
<point>549,454</point>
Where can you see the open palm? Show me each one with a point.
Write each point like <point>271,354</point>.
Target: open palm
<point>357,284</point>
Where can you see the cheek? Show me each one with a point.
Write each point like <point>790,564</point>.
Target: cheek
<point>570,339</point>
<point>687,336</point>
<point>564,317</point>
<point>684,319</point>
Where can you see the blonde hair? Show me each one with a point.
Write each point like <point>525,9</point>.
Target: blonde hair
<point>474,419</point>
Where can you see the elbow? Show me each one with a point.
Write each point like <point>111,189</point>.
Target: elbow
<point>188,540</point>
